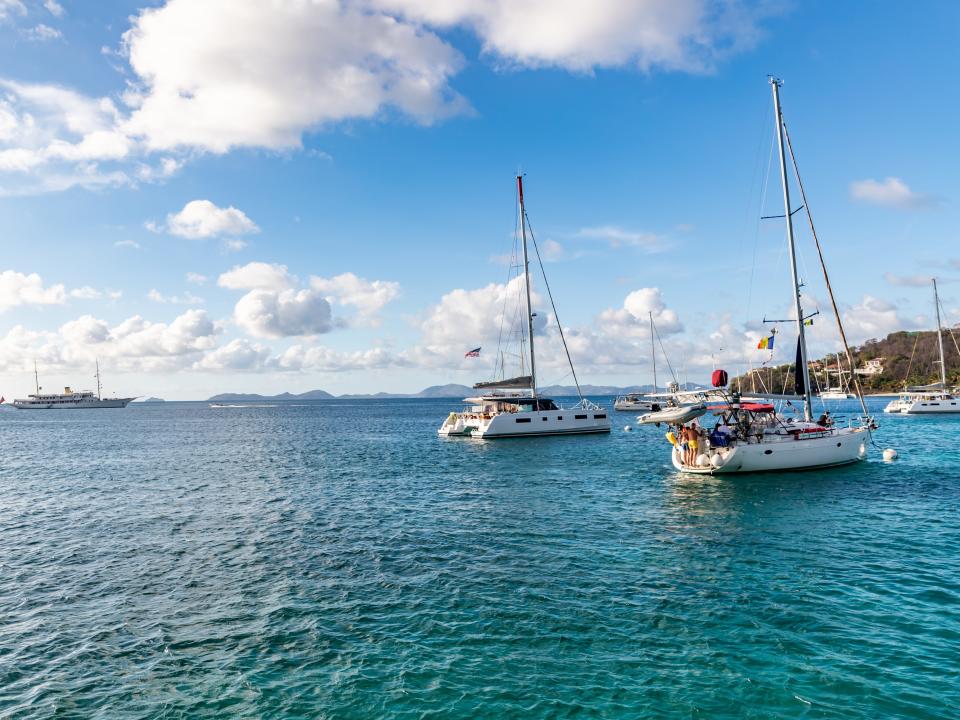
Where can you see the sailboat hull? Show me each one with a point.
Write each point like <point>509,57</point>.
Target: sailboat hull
<point>841,447</point>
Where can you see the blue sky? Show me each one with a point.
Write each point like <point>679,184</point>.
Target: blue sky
<point>341,176</point>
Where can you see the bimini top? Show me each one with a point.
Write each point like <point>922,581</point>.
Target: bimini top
<point>750,407</point>
<point>537,403</point>
<point>509,383</point>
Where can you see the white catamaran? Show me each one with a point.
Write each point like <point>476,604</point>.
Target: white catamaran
<point>69,399</point>
<point>929,399</point>
<point>751,436</point>
<point>503,410</point>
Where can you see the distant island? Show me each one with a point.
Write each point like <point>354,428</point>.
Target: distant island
<point>150,399</point>
<point>451,390</point>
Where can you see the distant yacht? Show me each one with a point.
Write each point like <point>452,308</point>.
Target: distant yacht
<point>68,399</point>
<point>639,401</point>
<point>522,411</point>
<point>928,399</point>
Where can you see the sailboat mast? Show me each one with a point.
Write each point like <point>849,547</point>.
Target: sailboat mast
<point>653,352</point>
<point>802,340</point>
<point>36,378</point>
<point>526,278</point>
<point>943,365</point>
<point>98,380</point>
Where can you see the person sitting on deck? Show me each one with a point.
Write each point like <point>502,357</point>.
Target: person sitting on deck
<point>825,420</point>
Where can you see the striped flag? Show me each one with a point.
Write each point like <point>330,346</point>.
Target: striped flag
<point>472,353</point>
<point>766,343</point>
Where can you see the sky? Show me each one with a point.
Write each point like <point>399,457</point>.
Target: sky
<point>232,195</point>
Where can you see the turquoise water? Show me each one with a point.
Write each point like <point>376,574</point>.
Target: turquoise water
<point>338,560</point>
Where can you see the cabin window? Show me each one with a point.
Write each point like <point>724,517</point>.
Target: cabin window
<point>559,417</point>
<point>545,419</point>
<point>599,417</point>
<point>522,420</point>
<point>580,417</point>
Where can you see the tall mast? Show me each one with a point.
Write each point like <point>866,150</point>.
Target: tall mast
<point>802,365</point>
<point>653,352</point>
<point>98,379</point>
<point>526,278</point>
<point>943,365</point>
<point>36,378</point>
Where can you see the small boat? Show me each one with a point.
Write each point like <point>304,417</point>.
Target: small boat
<point>933,399</point>
<point>513,407</point>
<point>672,415</point>
<point>636,401</point>
<point>69,399</point>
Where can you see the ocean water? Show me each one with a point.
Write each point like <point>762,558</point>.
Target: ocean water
<point>337,559</point>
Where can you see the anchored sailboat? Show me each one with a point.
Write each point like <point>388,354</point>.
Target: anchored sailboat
<point>929,399</point>
<point>639,401</point>
<point>752,436</point>
<point>496,412</point>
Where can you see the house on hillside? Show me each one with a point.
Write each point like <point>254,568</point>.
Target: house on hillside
<point>871,367</point>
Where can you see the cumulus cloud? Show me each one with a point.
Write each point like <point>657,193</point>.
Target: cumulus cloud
<point>54,8</point>
<point>368,297</point>
<point>891,192</point>
<point>135,344</point>
<point>203,219</point>
<point>317,63</point>
<point>11,7</point>
<point>873,318</point>
<point>257,276</point>
<point>20,289</point>
<point>689,35</point>
<point>633,318</point>
<point>239,354</point>
<point>284,313</point>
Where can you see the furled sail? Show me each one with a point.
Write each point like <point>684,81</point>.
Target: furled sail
<point>508,384</point>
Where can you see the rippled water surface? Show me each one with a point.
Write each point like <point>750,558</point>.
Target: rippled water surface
<point>339,560</point>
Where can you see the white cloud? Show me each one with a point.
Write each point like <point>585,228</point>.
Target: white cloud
<point>284,313</point>
<point>203,219</point>
<point>619,237</point>
<point>196,278</point>
<point>908,280</point>
<point>86,293</point>
<point>891,192</point>
<point>185,299</point>
<point>127,243</point>
<point>316,63</point>
<point>257,276</point>
<point>322,359</point>
<point>348,289</point>
<point>54,8</point>
<point>11,7</point>
<point>237,354</point>
<point>633,319</point>
<point>235,244</point>
<point>873,318</point>
<point>135,344</point>
<point>20,289</point>
<point>41,33</point>
<point>689,35</point>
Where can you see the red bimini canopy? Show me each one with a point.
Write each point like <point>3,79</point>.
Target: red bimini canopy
<point>757,407</point>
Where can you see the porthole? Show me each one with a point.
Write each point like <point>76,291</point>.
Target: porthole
<point>768,452</point>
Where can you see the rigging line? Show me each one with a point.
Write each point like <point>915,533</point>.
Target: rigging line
<point>510,267</point>
<point>536,249</point>
<point>949,329</point>
<point>756,232</point>
<point>826,278</point>
<point>664,351</point>
<point>906,379</point>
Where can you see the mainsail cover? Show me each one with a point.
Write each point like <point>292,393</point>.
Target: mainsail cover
<point>523,381</point>
<point>799,373</point>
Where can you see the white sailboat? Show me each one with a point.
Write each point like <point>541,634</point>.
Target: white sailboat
<point>841,391</point>
<point>512,407</point>
<point>751,436</point>
<point>639,401</point>
<point>932,399</point>
<point>69,399</point>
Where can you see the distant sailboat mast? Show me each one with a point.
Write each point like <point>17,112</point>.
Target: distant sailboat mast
<point>526,278</point>
<point>804,379</point>
<point>36,378</point>
<point>653,352</point>
<point>98,380</point>
<point>943,364</point>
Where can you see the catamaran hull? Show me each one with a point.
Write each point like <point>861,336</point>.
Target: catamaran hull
<point>539,423</point>
<point>925,407</point>
<point>81,405</point>
<point>842,448</point>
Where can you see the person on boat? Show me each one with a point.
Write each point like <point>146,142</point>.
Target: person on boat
<point>825,420</point>
<point>689,445</point>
